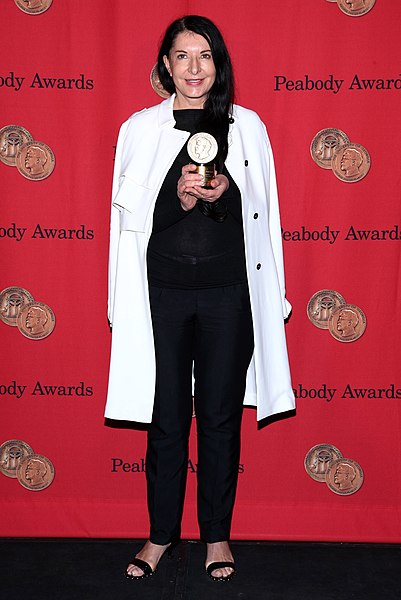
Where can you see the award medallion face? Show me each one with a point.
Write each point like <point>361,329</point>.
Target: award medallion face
<point>35,472</point>
<point>344,476</point>
<point>35,160</point>
<point>347,323</point>
<point>36,320</point>
<point>202,148</point>
<point>350,162</point>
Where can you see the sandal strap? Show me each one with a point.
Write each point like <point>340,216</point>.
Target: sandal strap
<point>142,564</point>
<point>219,565</point>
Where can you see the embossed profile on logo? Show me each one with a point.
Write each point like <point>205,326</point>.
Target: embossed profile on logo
<point>347,322</point>
<point>35,472</point>
<point>35,160</point>
<point>344,476</point>
<point>35,320</point>
<point>351,162</point>
<point>356,4</point>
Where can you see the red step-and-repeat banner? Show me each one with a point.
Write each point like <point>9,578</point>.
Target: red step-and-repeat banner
<point>325,76</point>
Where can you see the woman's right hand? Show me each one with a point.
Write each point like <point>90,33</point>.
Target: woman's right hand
<point>186,192</point>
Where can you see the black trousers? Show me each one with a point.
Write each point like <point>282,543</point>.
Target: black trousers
<point>210,331</point>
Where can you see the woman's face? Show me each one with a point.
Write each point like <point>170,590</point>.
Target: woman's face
<point>191,66</point>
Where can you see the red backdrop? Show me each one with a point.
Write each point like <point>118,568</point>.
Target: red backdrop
<point>109,48</point>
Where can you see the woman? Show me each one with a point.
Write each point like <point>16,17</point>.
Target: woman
<point>181,259</point>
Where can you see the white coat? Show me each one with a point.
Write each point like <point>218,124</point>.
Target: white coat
<point>146,148</point>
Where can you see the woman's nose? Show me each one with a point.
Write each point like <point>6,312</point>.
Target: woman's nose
<point>194,66</point>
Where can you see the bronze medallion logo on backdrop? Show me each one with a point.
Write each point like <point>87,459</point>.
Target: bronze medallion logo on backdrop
<point>12,137</point>
<point>321,307</point>
<point>318,459</point>
<point>347,323</point>
<point>35,472</point>
<point>327,309</point>
<point>33,7</point>
<point>156,85</point>
<point>332,149</point>
<point>325,143</point>
<point>11,454</point>
<point>355,8</point>
<point>12,300</point>
<point>350,162</point>
<point>344,476</point>
<point>35,320</point>
<point>35,160</point>
<point>326,464</point>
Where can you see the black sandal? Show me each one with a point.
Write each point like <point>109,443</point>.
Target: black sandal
<point>146,568</point>
<point>142,564</point>
<point>220,565</point>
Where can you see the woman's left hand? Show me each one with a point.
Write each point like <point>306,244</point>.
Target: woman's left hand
<point>219,185</point>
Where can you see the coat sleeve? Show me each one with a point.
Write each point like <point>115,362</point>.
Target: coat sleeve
<point>115,223</point>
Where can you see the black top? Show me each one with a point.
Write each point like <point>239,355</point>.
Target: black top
<point>187,249</point>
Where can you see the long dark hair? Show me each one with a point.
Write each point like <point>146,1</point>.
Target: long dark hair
<point>216,115</point>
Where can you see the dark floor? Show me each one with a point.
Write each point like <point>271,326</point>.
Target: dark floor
<point>94,570</point>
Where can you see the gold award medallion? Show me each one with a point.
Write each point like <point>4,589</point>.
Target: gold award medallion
<point>350,162</point>
<point>322,305</point>
<point>347,323</point>
<point>325,143</point>
<point>12,453</point>
<point>35,472</point>
<point>318,460</point>
<point>11,139</point>
<point>156,84</point>
<point>12,300</point>
<point>36,320</point>
<point>344,476</point>
<point>33,7</point>
<point>355,8</point>
<point>35,160</point>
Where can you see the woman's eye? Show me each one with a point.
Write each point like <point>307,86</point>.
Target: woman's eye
<point>180,56</point>
<point>206,55</point>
